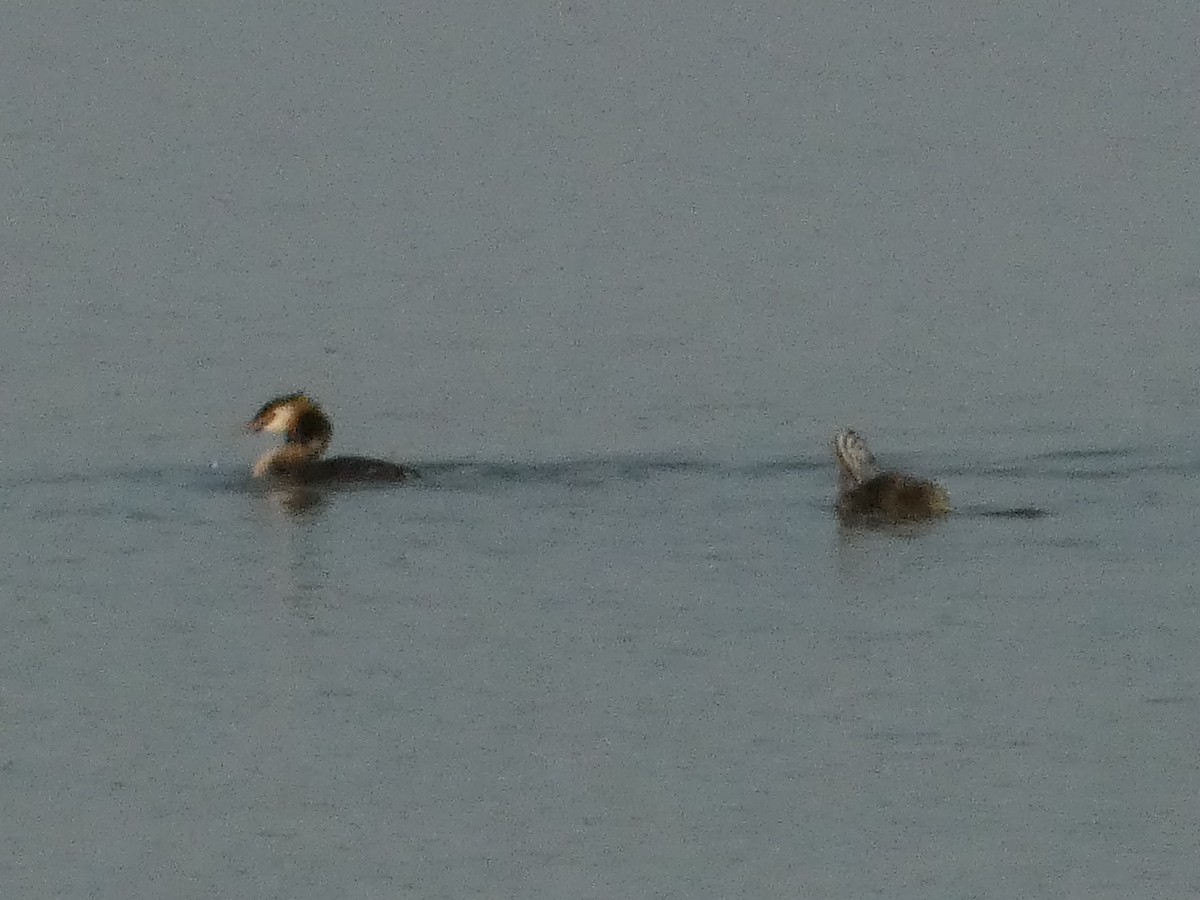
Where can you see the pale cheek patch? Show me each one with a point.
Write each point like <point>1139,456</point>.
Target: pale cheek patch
<point>852,455</point>
<point>278,421</point>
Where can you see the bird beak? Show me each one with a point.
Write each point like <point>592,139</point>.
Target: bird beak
<point>253,425</point>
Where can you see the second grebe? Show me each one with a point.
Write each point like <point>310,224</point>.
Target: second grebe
<point>865,493</point>
<point>307,432</point>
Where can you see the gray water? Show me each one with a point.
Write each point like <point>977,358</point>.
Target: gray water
<point>610,275</point>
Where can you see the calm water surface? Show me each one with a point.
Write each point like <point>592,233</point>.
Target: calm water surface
<point>610,278</point>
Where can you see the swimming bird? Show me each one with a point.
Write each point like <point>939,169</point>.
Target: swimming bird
<point>307,432</point>
<point>866,494</point>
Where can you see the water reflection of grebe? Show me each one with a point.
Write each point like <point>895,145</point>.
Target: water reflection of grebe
<point>307,432</point>
<point>866,494</point>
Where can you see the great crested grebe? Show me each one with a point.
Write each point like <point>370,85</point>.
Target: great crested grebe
<point>866,494</point>
<point>307,432</point>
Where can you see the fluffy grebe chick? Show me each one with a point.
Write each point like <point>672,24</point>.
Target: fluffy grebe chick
<point>866,494</point>
<point>307,432</point>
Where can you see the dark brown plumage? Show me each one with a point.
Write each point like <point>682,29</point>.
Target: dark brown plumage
<point>307,432</point>
<point>892,496</point>
<point>865,494</point>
